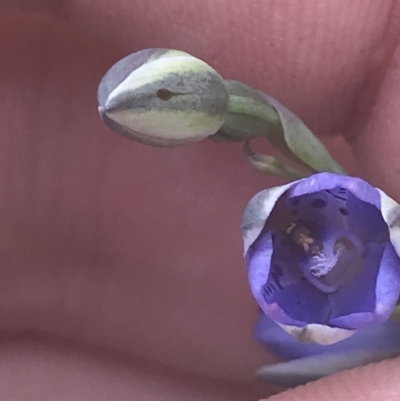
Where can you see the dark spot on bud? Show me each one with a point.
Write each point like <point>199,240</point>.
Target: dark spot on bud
<point>343,211</point>
<point>164,94</point>
<point>318,203</point>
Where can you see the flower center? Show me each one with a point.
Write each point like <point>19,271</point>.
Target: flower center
<point>328,257</point>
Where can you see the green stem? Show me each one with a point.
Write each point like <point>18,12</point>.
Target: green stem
<point>251,114</point>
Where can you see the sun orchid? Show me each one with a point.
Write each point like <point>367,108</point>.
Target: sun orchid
<point>322,257</point>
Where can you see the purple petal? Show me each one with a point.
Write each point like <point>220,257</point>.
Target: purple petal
<point>335,266</point>
<point>366,221</point>
<point>380,336</point>
<point>339,208</point>
<point>321,207</point>
<point>323,181</point>
<point>280,288</point>
<point>259,265</point>
<point>301,302</point>
<point>353,305</point>
<point>296,296</point>
<point>258,261</point>
<point>373,295</point>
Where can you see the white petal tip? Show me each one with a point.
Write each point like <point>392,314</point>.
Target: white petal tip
<point>317,333</point>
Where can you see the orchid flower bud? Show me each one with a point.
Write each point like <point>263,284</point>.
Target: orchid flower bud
<point>323,265</point>
<point>163,97</point>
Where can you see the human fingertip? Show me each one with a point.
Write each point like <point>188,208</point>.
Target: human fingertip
<point>373,382</point>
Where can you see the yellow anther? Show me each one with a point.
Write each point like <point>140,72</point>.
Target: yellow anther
<point>291,227</point>
<point>301,235</point>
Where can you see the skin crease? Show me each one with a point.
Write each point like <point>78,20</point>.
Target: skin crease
<point>114,253</point>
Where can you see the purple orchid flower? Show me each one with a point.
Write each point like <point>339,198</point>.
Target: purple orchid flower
<point>323,265</point>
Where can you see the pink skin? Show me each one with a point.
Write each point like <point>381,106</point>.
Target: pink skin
<point>114,253</point>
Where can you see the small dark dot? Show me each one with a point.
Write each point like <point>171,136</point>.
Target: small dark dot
<point>278,270</point>
<point>318,203</point>
<point>344,211</point>
<point>164,94</point>
<point>295,201</point>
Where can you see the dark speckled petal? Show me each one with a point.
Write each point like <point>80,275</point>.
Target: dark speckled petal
<point>323,181</point>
